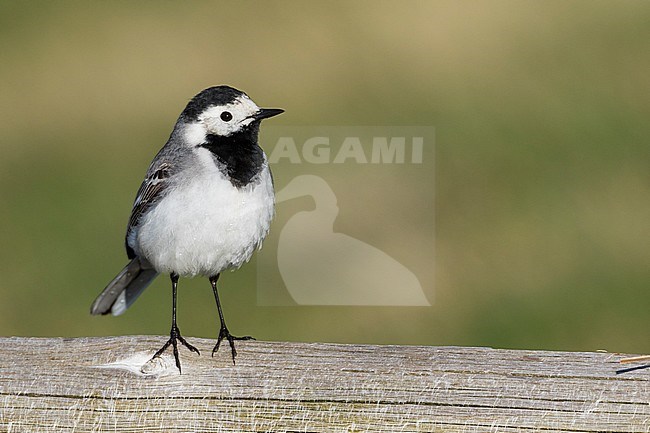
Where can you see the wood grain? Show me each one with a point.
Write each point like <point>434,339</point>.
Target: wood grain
<point>96,385</point>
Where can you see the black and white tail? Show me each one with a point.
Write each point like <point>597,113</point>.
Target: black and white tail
<point>125,288</point>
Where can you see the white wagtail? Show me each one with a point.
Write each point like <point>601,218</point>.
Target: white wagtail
<point>205,205</point>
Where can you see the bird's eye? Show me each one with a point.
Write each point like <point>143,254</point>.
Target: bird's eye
<point>226,116</point>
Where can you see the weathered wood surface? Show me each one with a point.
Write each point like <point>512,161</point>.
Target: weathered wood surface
<point>95,384</point>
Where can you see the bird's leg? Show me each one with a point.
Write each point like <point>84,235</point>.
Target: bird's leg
<point>223,332</point>
<point>175,333</point>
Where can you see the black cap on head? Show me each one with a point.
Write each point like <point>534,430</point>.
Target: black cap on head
<point>217,95</point>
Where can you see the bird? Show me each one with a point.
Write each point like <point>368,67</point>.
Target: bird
<point>205,205</point>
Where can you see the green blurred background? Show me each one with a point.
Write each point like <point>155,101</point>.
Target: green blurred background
<point>542,180</point>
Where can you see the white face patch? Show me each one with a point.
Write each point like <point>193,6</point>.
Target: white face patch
<point>222,120</point>
<point>195,134</point>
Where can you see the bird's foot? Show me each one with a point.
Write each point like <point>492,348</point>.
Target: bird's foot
<point>224,333</point>
<point>174,337</point>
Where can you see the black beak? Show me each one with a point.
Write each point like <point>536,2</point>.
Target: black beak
<point>265,113</point>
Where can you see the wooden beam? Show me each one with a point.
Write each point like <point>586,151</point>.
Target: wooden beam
<point>96,385</point>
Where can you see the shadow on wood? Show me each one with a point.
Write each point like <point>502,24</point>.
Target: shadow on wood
<point>96,384</point>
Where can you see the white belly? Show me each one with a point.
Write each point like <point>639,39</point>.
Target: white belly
<point>207,225</point>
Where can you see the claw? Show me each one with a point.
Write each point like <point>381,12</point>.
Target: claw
<point>174,337</point>
<point>224,333</point>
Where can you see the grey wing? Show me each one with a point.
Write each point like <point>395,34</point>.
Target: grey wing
<point>151,191</point>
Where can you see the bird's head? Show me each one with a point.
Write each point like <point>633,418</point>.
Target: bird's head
<point>221,111</point>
